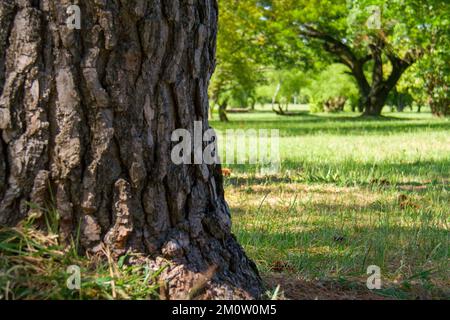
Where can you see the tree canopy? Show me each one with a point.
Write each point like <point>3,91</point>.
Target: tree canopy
<point>377,41</point>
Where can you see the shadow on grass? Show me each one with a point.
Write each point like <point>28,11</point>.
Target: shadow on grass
<point>317,251</point>
<point>309,124</point>
<point>421,174</point>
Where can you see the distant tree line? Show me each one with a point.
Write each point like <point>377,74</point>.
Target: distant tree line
<point>358,55</point>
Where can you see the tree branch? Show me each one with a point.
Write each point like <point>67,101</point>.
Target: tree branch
<point>332,45</point>
<point>344,53</point>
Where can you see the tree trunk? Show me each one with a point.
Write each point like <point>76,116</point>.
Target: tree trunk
<point>375,98</point>
<point>87,116</point>
<point>223,111</point>
<point>374,104</point>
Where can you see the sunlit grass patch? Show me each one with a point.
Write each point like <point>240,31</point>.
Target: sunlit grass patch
<point>324,234</point>
<point>351,193</point>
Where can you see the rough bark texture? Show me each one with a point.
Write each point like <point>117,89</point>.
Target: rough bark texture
<point>88,115</point>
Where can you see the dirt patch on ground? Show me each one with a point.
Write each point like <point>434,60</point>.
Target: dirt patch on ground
<point>294,288</point>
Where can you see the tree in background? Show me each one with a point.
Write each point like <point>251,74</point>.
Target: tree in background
<point>400,98</point>
<point>332,89</point>
<point>428,80</point>
<point>238,70</point>
<point>376,40</point>
<point>289,87</point>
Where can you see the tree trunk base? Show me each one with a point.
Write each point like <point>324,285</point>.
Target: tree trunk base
<point>372,112</point>
<point>180,281</point>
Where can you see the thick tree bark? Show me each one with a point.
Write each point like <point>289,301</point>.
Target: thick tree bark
<point>87,116</point>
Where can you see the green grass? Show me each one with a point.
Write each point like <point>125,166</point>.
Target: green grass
<point>34,266</point>
<point>351,192</point>
<point>350,150</point>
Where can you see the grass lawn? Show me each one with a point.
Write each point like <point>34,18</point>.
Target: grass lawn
<point>351,192</point>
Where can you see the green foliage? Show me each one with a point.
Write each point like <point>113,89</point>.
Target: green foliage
<point>333,82</point>
<point>238,70</point>
<point>292,82</point>
<point>265,92</point>
<point>401,23</point>
<point>409,30</point>
<point>292,85</point>
<point>428,81</point>
<point>400,99</point>
<point>255,36</point>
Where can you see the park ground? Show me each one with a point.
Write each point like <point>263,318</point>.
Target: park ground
<point>352,192</point>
